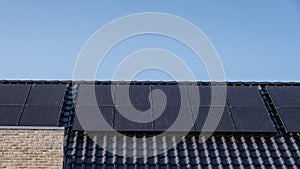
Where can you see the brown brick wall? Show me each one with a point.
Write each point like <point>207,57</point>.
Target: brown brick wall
<point>31,148</point>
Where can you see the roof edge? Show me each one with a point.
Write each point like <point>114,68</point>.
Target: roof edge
<point>230,83</point>
<point>30,128</point>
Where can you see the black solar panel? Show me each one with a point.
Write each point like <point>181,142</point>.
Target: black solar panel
<point>103,95</point>
<point>10,114</point>
<point>285,96</point>
<point>184,121</point>
<point>92,120</point>
<point>13,94</point>
<point>199,95</point>
<point>41,115</point>
<point>290,118</point>
<point>287,101</point>
<point>251,119</point>
<point>245,96</point>
<point>173,95</point>
<point>124,124</point>
<point>165,118</point>
<point>76,125</point>
<point>224,125</point>
<point>137,95</point>
<point>202,96</point>
<point>47,94</point>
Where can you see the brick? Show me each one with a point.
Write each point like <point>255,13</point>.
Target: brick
<point>26,148</point>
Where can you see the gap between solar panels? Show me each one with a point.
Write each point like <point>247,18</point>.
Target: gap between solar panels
<point>272,110</point>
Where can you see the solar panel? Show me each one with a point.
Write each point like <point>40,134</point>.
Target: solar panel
<point>47,94</point>
<point>199,95</point>
<point>290,118</point>
<point>224,125</point>
<point>202,95</point>
<point>103,95</point>
<point>166,118</point>
<point>285,96</point>
<point>251,119</point>
<point>76,124</point>
<point>126,123</point>
<point>137,95</point>
<point>173,95</point>
<point>41,115</point>
<point>13,94</point>
<point>92,120</point>
<point>246,96</point>
<point>10,114</point>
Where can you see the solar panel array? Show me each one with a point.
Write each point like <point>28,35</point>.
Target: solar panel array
<point>244,110</point>
<point>40,105</point>
<point>287,102</point>
<point>31,104</point>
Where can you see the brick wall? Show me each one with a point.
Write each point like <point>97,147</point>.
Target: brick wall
<point>31,148</point>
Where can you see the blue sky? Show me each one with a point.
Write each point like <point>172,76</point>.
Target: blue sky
<point>256,40</point>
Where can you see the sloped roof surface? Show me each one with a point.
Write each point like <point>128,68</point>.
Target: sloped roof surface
<point>271,145</point>
<point>219,151</point>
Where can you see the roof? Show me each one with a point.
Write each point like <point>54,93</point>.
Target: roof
<point>241,140</point>
<point>219,151</point>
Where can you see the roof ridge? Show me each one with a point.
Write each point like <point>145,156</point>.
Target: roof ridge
<point>205,83</point>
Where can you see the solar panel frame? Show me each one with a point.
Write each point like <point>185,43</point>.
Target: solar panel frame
<point>13,94</point>
<point>252,119</point>
<point>47,94</point>
<point>41,115</point>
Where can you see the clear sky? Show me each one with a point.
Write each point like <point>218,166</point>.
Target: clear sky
<point>256,40</point>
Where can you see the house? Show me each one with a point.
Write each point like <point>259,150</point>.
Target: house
<point>44,124</point>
